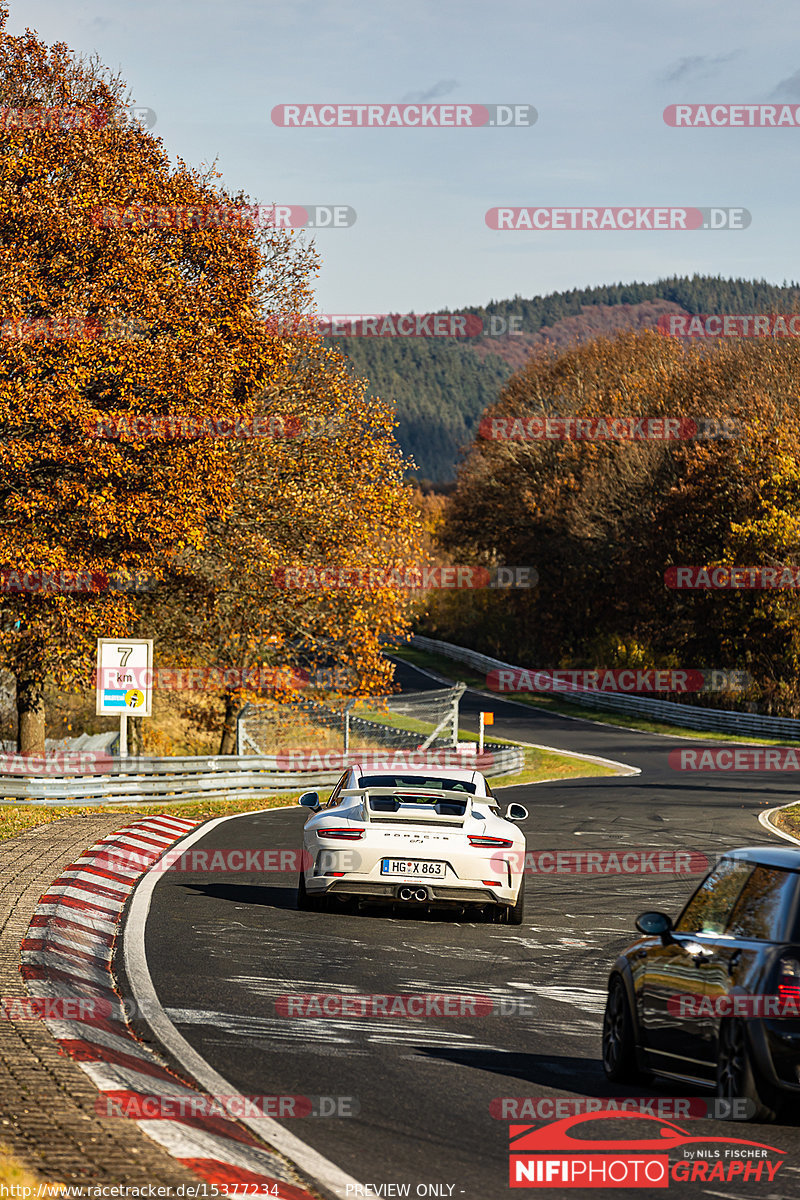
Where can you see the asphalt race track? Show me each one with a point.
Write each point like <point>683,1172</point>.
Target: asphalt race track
<point>223,948</point>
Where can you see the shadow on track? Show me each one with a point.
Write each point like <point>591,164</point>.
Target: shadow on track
<point>548,1070</point>
<point>265,896</point>
<point>248,893</point>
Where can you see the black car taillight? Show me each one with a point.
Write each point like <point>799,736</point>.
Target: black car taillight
<point>343,832</point>
<point>789,980</point>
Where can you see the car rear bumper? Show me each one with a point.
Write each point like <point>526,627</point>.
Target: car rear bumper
<point>440,891</point>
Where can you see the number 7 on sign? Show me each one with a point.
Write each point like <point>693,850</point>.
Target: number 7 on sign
<point>124,654</point>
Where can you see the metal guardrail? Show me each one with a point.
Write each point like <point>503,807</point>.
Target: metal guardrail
<point>685,715</point>
<point>177,780</point>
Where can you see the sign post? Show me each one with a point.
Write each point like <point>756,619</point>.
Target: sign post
<point>487,718</point>
<point>124,681</point>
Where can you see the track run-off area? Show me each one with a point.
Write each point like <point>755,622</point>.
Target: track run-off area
<point>417,1100</point>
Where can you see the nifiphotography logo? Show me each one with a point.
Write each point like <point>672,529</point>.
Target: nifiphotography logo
<point>553,1155</point>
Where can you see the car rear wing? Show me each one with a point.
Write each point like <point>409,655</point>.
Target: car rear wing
<point>417,813</point>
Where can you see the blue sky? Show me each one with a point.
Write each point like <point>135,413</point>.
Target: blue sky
<point>599,76</point>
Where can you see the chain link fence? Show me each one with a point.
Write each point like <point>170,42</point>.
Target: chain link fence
<point>413,720</point>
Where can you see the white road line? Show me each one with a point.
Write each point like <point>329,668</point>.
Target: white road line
<point>309,1161</point>
<point>764,819</point>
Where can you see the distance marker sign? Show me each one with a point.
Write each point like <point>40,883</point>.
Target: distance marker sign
<point>124,676</point>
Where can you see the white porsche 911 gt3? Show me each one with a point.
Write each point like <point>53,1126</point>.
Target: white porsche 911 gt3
<point>418,837</point>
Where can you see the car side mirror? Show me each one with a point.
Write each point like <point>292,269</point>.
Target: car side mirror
<point>654,924</point>
<point>516,812</point>
<point>310,800</point>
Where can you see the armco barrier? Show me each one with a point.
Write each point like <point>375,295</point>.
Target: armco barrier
<point>174,780</point>
<point>688,716</point>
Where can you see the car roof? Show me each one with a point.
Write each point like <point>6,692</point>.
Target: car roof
<point>768,856</point>
<point>456,774</point>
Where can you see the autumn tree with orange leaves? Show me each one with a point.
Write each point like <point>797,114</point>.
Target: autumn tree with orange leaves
<point>103,319</point>
<point>602,521</point>
<point>329,494</point>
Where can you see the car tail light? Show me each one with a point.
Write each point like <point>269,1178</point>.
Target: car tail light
<point>789,980</point>
<point>492,882</point>
<point>495,843</point>
<point>345,833</point>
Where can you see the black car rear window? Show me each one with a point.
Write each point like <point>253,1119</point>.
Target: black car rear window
<point>710,906</point>
<point>448,806</point>
<point>421,781</point>
<point>760,911</point>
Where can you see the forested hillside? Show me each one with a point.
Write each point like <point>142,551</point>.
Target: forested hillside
<point>606,524</point>
<point>441,386</point>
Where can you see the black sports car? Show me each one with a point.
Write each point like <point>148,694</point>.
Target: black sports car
<point>714,999</point>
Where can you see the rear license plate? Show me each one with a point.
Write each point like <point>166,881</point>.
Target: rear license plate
<point>411,866</point>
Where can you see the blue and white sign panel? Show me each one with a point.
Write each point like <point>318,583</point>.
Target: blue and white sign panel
<point>124,676</point>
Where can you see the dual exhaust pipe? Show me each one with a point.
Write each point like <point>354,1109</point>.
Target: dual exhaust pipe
<point>407,893</point>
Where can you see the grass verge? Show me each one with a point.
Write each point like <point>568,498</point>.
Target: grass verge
<point>16,819</point>
<point>13,1174</point>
